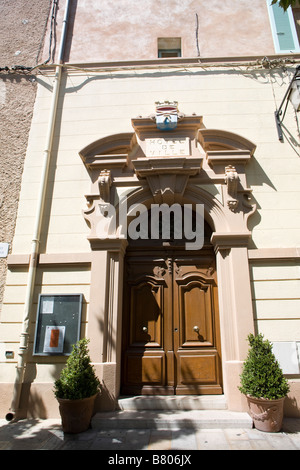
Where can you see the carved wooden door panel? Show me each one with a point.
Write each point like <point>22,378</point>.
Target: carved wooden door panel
<point>146,318</point>
<point>170,325</point>
<point>196,327</point>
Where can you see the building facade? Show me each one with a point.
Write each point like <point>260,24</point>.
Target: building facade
<point>152,106</point>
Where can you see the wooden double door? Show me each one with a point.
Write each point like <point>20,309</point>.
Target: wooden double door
<point>171,338</point>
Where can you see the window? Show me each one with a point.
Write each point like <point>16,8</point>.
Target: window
<point>169,47</point>
<point>283,29</point>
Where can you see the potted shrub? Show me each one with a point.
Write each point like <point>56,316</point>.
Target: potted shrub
<point>263,383</point>
<point>76,390</point>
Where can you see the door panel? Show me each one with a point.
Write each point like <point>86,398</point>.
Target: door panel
<point>144,369</point>
<point>195,311</point>
<point>144,356</point>
<point>195,314</point>
<point>198,369</point>
<point>171,339</point>
<point>146,317</point>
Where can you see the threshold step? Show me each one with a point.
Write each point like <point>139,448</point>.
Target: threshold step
<point>179,402</point>
<point>175,419</point>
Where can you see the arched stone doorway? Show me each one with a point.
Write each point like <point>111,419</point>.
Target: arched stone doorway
<point>213,174</point>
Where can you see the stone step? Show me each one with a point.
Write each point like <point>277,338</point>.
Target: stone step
<point>179,402</point>
<point>171,420</point>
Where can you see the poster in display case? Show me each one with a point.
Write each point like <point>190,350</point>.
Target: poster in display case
<point>57,324</point>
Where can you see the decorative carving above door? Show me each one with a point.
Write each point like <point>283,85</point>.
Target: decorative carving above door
<point>151,166</point>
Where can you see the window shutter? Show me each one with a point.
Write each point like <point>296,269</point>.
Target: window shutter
<point>284,33</point>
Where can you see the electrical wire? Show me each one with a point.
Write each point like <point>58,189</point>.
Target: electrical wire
<point>258,64</point>
<point>52,34</point>
<point>264,63</point>
<point>22,69</point>
<point>197,35</point>
<point>43,34</point>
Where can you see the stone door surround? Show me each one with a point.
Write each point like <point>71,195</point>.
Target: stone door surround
<point>193,165</point>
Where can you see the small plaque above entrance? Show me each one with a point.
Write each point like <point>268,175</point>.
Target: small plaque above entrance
<point>168,147</point>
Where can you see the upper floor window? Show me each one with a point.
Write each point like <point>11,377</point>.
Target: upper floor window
<point>283,28</point>
<point>169,47</point>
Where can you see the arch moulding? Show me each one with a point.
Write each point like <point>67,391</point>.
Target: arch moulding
<point>187,165</point>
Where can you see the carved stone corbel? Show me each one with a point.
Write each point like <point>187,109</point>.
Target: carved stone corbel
<point>99,212</point>
<point>231,180</point>
<point>104,183</point>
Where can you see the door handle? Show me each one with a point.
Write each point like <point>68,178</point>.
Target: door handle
<point>145,329</point>
<point>196,329</point>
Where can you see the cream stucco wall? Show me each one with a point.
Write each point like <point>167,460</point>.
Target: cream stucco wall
<point>94,105</point>
<point>276,299</point>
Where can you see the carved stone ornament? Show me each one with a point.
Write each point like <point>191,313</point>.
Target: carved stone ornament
<point>104,182</point>
<point>231,180</point>
<point>167,159</point>
<point>179,165</point>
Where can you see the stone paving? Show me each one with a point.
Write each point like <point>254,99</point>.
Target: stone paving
<point>48,435</point>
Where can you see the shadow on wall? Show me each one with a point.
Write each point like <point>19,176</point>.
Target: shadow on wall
<point>280,77</point>
<point>33,402</point>
<point>71,22</point>
<point>291,408</point>
<point>291,139</point>
<point>105,401</point>
<point>256,176</point>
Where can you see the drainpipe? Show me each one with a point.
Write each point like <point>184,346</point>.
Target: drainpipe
<point>33,261</point>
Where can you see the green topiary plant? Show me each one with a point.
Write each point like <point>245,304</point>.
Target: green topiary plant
<point>78,379</point>
<point>262,376</point>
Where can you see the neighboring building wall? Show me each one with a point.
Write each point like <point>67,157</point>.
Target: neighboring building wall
<point>22,29</point>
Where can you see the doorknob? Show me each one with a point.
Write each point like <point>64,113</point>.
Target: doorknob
<point>196,329</point>
<point>145,329</point>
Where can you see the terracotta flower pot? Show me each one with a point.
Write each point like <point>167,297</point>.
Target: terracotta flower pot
<point>76,415</point>
<point>267,414</point>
